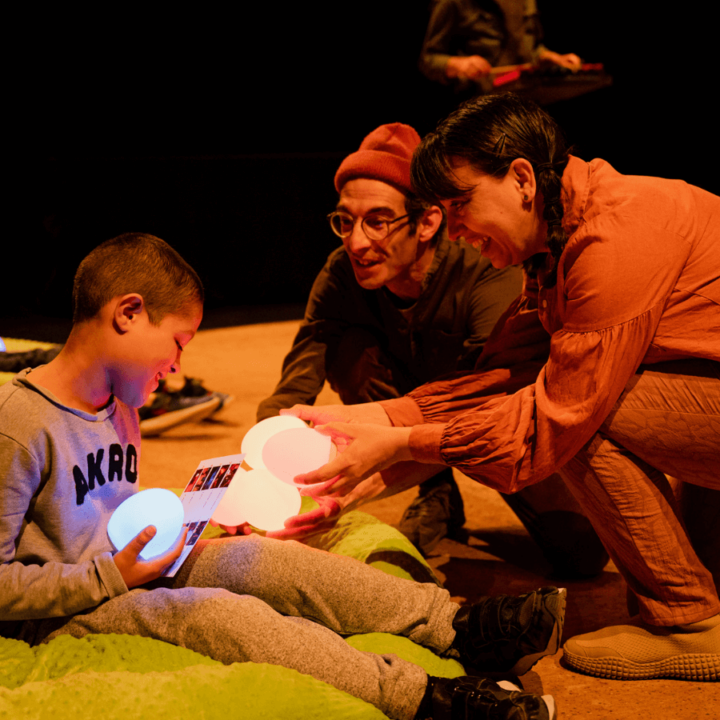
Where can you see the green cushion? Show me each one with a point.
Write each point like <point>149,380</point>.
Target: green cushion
<point>119,676</point>
<point>100,679</point>
<point>122,676</point>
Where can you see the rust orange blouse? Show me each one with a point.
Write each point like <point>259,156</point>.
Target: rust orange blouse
<point>638,282</point>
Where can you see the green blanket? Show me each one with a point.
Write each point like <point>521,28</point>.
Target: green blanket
<point>118,676</point>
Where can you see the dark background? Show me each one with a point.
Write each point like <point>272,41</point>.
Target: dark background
<point>221,131</point>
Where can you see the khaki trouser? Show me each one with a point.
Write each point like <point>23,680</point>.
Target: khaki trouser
<point>666,423</point>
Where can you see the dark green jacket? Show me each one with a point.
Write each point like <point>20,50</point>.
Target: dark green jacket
<point>444,330</point>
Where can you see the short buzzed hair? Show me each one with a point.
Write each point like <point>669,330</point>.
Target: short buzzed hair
<point>135,263</point>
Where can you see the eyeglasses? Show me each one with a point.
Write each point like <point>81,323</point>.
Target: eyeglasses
<point>375,227</point>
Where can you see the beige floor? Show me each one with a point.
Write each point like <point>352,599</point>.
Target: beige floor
<point>499,557</point>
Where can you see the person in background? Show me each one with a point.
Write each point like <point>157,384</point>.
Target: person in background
<point>466,39</point>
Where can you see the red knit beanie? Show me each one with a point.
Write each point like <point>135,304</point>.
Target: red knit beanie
<point>383,155</point>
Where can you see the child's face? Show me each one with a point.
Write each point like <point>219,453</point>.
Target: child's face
<point>151,352</point>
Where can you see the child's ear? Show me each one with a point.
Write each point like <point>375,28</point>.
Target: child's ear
<point>127,310</point>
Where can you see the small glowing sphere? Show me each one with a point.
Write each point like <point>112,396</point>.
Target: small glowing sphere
<point>296,451</point>
<point>260,499</point>
<point>158,507</point>
<point>256,437</point>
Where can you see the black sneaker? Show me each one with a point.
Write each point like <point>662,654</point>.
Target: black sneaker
<point>508,633</point>
<point>478,698</point>
<point>193,387</point>
<point>436,512</point>
<point>169,409</point>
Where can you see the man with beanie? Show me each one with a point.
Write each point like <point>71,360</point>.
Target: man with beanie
<point>398,305</point>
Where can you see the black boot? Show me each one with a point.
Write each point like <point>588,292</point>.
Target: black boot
<point>436,512</point>
<point>477,698</point>
<point>508,633</point>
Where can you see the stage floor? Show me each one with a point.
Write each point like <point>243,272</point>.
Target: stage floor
<point>500,557</point>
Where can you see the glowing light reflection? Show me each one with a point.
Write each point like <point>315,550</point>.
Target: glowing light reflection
<point>259,498</point>
<point>156,506</point>
<point>258,435</point>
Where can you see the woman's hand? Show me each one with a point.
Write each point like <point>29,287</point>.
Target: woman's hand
<point>344,483</point>
<point>242,529</point>
<point>362,451</point>
<point>138,572</point>
<point>372,413</point>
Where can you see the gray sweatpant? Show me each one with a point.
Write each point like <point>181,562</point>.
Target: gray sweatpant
<point>262,600</point>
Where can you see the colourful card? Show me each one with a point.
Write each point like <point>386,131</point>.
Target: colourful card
<point>200,498</point>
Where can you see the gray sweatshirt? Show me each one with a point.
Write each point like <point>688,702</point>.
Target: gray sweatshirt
<point>62,474</point>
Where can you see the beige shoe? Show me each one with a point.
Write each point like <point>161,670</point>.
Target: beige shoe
<point>641,652</point>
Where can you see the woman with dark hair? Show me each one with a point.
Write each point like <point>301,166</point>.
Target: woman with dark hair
<point>624,273</point>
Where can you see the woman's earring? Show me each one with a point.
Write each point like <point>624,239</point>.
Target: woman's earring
<point>525,198</point>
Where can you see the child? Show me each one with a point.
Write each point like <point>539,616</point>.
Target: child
<point>69,448</point>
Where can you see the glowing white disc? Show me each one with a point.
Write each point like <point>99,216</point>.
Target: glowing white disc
<point>260,499</point>
<point>256,437</point>
<point>230,511</point>
<point>158,507</point>
<point>296,451</point>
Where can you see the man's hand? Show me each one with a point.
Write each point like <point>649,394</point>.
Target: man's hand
<point>313,522</point>
<point>472,67</point>
<point>570,60</point>
<point>372,413</point>
<point>138,572</point>
<point>242,529</point>
<point>333,505</point>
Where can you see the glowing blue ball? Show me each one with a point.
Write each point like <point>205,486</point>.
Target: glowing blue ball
<point>158,507</point>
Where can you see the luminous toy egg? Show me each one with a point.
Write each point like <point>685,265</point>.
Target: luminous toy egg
<point>258,435</point>
<point>259,498</point>
<point>294,452</point>
<point>156,506</point>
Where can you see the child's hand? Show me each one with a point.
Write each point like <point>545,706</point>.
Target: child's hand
<point>138,572</point>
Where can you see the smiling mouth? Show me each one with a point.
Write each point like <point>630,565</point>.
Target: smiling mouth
<point>365,263</point>
<point>479,242</point>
